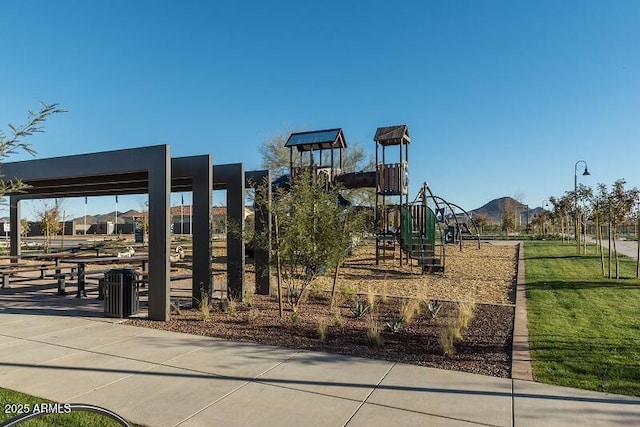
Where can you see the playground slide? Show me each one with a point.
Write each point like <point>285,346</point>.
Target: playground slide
<point>284,183</point>
<point>352,180</point>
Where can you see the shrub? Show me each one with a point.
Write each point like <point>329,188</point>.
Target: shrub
<point>395,325</point>
<point>253,315</point>
<point>348,292</point>
<point>248,297</point>
<point>434,308</point>
<point>316,291</point>
<point>175,306</point>
<point>337,318</point>
<point>233,307</point>
<point>360,308</point>
<point>295,319</point>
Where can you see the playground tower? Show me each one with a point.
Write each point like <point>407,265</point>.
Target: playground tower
<point>325,143</point>
<point>392,187</point>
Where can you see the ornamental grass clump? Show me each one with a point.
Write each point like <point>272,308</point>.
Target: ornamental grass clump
<point>322,329</point>
<point>409,310</point>
<point>371,298</point>
<point>384,294</point>
<point>466,311</point>
<point>446,337</point>
<point>233,307</point>
<point>204,305</point>
<point>337,318</point>
<point>374,339</point>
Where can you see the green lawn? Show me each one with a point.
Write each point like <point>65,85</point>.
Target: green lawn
<point>74,419</point>
<point>584,330</point>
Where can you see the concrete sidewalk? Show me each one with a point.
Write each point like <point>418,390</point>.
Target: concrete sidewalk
<point>625,247</point>
<point>159,378</point>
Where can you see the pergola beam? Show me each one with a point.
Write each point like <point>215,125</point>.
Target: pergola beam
<point>154,162</point>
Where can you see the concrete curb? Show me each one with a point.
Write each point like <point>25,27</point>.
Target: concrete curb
<point>520,355</point>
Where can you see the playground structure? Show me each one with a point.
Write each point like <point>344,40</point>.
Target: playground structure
<point>418,230</point>
<point>152,171</point>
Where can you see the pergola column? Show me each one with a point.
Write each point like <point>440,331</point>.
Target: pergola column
<point>14,222</point>
<point>261,182</point>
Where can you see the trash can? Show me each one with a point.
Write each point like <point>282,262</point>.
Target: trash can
<point>121,297</point>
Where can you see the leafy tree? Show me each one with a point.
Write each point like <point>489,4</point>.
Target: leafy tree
<point>561,208</point>
<point>312,233</point>
<point>25,227</point>
<point>599,209</point>
<point>481,220</point>
<point>508,214</point>
<point>49,219</point>
<point>619,205</point>
<point>581,202</point>
<point>13,143</point>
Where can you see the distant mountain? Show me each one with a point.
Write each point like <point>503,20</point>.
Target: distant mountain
<point>496,207</point>
<point>123,217</point>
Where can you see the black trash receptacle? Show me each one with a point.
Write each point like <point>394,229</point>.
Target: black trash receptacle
<point>121,298</point>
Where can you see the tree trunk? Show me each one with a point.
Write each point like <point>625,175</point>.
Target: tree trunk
<point>599,244</point>
<point>615,251</point>
<point>609,257</point>
<point>584,237</point>
<point>577,232</point>
<point>333,288</point>
<point>278,268</point>
<point>638,248</point>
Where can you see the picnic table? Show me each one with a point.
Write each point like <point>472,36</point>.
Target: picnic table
<point>9,270</point>
<point>82,263</point>
<point>55,257</point>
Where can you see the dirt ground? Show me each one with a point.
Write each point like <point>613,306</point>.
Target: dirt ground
<point>484,276</point>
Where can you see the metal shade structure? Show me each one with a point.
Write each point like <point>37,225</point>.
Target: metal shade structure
<point>151,170</point>
<point>146,169</point>
<point>317,140</point>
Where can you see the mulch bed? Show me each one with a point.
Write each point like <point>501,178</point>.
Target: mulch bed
<point>485,347</point>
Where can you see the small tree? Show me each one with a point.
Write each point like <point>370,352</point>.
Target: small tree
<point>508,215</point>
<point>313,234</point>
<point>599,209</point>
<point>620,205</point>
<point>25,227</point>
<point>49,219</point>
<point>481,219</point>
<point>561,208</point>
<point>581,202</point>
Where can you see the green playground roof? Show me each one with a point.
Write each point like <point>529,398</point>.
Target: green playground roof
<point>317,140</point>
<point>392,135</point>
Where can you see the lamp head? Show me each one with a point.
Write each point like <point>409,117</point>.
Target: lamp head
<point>586,171</point>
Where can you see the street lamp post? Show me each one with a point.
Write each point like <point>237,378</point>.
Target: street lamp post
<point>545,204</point>
<point>575,197</point>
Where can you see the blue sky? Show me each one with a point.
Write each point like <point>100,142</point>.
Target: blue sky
<point>501,97</point>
